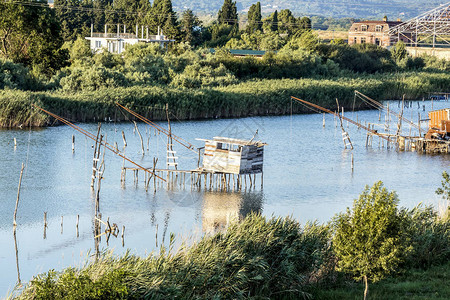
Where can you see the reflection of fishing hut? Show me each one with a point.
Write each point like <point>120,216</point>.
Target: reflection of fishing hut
<point>220,209</point>
<point>233,158</point>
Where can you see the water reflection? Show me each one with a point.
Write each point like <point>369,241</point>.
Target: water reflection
<point>17,258</point>
<point>219,209</point>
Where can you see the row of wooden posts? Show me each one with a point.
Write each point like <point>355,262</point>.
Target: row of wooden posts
<point>196,179</point>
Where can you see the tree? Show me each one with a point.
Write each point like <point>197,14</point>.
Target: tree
<point>304,23</point>
<point>190,28</point>
<point>399,52</point>
<point>228,13</point>
<point>445,189</point>
<point>287,22</point>
<point>254,18</point>
<point>274,25</point>
<point>304,39</point>
<point>368,241</point>
<point>162,15</point>
<point>140,8</point>
<point>31,35</point>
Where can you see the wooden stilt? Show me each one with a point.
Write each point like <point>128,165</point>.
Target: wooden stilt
<point>18,195</point>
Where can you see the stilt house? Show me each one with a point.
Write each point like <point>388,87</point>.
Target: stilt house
<point>233,156</point>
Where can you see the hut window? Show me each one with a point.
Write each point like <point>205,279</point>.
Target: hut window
<point>222,146</point>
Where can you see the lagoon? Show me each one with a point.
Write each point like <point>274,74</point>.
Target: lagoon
<point>307,174</point>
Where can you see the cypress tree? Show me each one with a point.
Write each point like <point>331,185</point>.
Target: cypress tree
<point>228,14</point>
<point>254,18</point>
<point>274,26</point>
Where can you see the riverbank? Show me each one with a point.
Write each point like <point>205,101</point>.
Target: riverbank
<point>272,257</point>
<point>250,98</point>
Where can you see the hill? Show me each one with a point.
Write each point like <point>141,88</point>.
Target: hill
<point>370,9</point>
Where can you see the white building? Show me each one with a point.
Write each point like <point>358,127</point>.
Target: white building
<point>116,42</point>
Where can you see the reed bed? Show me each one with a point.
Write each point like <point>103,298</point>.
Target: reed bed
<point>250,98</point>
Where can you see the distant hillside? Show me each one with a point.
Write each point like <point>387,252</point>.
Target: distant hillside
<point>370,9</point>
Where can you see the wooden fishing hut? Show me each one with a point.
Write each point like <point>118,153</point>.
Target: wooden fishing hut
<point>226,164</point>
<point>236,158</point>
<point>233,156</point>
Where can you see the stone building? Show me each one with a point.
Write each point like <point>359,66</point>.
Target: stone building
<point>373,32</point>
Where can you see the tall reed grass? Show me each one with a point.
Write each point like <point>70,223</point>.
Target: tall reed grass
<point>254,97</point>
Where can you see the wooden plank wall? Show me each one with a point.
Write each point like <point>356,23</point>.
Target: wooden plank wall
<point>249,160</point>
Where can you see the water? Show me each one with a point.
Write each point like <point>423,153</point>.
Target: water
<point>307,175</point>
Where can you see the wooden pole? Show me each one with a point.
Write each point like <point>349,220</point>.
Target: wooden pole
<point>45,225</point>
<point>18,195</point>
<point>17,257</point>
<point>156,236</point>
<point>78,221</point>
<point>124,140</point>
<point>420,132</point>
<point>123,232</point>
<point>95,159</point>
<point>140,136</point>
<point>353,163</point>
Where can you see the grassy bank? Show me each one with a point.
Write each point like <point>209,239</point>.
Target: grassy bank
<point>414,284</point>
<point>254,97</point>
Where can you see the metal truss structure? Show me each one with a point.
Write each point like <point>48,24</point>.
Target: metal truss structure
<point>429,29</point>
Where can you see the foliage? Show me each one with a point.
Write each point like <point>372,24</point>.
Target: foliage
<point>228,13</point>
<point>445,189</point>
<point>195,76</point>
<point>255,258</point>
<point>434,63</point>
<point>368,240</point>
<point>429,235</point>
<point>78,50</point>
<point>254,18</point>
<point>162,15</point>
<point>30,35</point>
<point>14,76</point>
<point>190,28</point>
<point>399,52</point>
<point>304,39</point>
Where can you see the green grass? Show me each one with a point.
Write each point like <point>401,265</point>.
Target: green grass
<point>417,284</point>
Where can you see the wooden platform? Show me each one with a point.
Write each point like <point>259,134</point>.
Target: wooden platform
<point>196,179</point>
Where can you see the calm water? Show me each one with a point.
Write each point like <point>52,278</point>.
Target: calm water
<point>307,174</point>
